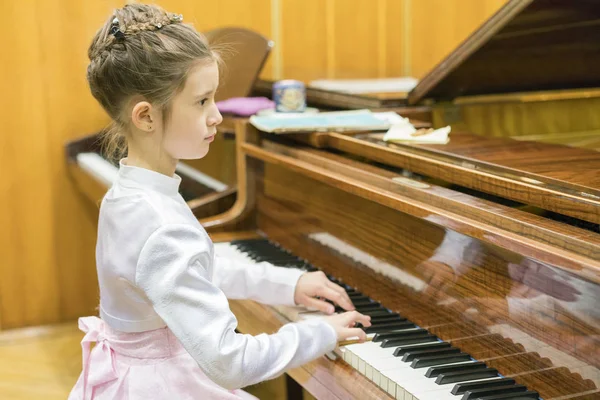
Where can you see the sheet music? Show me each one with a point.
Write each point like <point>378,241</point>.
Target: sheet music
<point>358,86</point>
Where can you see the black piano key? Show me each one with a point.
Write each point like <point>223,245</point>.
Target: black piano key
<point>388,319</point>
<point>461,388</point>
<point>512,396</point>
<point>393,335</point>
<point>443,369</point>
<point>376,313</point>
<point>371,306</point>
<point>476,393</point>
<point>400,351</point>
<point>409,340</point>
<point>464,376</point>
<point>365,302</point>
<point>358,296</point>
<point>423,362</point>
<point>408,357</point>
<point>386,327</point>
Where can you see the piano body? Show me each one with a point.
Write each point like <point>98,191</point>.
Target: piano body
<point>502,294</point>
<point>478,260</point>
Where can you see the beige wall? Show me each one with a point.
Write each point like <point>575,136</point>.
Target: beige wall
<point>47,229</point>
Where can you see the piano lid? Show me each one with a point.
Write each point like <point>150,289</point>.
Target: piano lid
<point>528,45</point>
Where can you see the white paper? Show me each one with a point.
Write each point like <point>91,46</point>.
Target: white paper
<point>383,85</point>
<point>403,133</point>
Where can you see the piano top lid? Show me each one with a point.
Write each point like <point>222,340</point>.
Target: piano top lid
<point>528,45</point>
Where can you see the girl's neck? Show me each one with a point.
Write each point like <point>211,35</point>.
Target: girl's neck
<point>161,163</point>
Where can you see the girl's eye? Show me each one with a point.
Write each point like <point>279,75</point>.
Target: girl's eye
<point>203,101</point>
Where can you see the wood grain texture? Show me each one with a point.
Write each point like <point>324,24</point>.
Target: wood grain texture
<point>475,294</point>
<point>556,178</point>
<point>488,222</point>
<point>429,192</point>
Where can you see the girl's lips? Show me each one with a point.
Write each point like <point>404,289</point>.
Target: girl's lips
<point>210,138</point>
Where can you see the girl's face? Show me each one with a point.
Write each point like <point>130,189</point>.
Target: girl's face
<point>192,124</point>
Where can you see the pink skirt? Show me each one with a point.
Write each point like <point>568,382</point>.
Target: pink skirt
<point>145,365</point>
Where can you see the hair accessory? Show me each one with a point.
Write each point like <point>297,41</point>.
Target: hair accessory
<point>159,25</point>
<point>115,29</point>
<point>176,18</point>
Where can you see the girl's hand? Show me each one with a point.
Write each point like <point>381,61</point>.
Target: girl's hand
<point>344,325</point>
<point>313,284</point>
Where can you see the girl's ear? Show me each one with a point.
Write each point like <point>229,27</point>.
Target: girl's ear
<point>143,116</point>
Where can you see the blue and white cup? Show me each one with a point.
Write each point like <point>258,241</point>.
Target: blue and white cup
<point>289,96</point>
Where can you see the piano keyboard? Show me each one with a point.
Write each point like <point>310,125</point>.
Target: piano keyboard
<point>106,172</point>
<point>406,361</point>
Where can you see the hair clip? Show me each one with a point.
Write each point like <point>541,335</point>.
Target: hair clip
<point>115,29</point>
<point>176,18</point>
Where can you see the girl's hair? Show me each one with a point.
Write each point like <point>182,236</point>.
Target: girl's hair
<point>144,51</point>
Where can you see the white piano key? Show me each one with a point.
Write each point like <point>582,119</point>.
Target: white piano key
<point>198,176</point>
<point>97,166</point>
<point>412,380</point>
<point>227,250</point>
<point>442,392</point>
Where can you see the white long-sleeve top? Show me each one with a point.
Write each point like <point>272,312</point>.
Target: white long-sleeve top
<point>156,267</point>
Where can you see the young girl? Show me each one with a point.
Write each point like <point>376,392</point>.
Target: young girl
<point>165,329</point>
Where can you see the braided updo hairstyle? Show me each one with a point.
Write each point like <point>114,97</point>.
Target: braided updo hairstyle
<point>144,51</point>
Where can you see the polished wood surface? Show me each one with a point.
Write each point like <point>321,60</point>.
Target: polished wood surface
<point>237,216</point>
<point>511,288</point>
<point>527,45</point>
<point>419,197</point>
<point>553,177</point>
<point>479,291</point>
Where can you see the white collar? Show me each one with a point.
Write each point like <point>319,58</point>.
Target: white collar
<point>132,176</point>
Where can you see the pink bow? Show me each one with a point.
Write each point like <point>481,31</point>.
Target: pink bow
<point>101,358</point>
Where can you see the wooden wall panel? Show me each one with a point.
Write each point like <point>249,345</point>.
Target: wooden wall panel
<point>392,13</point>
<point>27,268</point>
<point>47,270</point>
<point>303,39</point>
<point>355,47</point>
<point>439,26</point>
<point>372,38</point>
<point>69,114</point>
<point>206,15</point>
